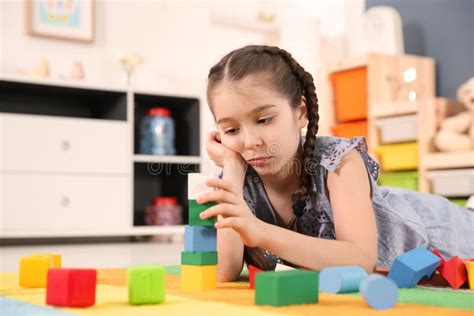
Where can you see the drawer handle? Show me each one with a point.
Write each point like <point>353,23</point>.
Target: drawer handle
<point>65,201</point>
<point>65,145</point>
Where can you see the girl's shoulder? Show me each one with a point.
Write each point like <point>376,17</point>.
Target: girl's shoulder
<point>329,152</point>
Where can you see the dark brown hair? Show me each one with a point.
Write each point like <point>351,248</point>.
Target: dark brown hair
<point>289,79</point>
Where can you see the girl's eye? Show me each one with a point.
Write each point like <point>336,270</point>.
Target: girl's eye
<point>265,120</point>
<point>231,131</point>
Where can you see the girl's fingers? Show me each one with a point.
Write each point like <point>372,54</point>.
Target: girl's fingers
<point>220,184</point>
<point>224,209</point>
<point>229,222</point>
<point>218,196</point>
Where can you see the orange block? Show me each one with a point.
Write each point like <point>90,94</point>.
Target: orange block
<point>34,269</point>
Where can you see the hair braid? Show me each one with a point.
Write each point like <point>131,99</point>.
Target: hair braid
<point>309,91</point>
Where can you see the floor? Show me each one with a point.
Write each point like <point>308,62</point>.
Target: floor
<point>98,254</point>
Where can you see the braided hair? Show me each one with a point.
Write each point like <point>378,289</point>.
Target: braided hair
<point>290,80</point>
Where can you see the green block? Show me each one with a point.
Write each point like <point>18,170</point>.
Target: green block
<point>199,258</point>
<point>146,284</point>
<point>284,288</point>
<point>195,209</point>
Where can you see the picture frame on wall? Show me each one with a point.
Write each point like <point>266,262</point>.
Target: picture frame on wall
<point>60,19</point>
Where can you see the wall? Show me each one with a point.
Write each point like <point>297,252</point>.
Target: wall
<point>440,29</point>
<point>177,40</point>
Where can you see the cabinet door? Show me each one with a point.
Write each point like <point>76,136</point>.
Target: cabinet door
<point>58,204</point>
<point>41,143</point>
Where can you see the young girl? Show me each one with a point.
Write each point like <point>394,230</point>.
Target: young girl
<point>311,202</point>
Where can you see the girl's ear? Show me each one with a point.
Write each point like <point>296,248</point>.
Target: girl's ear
<point>302,113</point>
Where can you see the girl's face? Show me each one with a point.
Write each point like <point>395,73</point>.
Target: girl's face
<point>258,123</point>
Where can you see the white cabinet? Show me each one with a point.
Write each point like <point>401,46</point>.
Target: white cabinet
<point>70,164</point>
<point>42,143</point>
<point>41,202</point>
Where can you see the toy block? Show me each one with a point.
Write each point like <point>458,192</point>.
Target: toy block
<point>379,292</point>
<point>34,269</point>
<point>470,273</point>
<point>198,278</point>
<point>284,288</point>
<point>341,279</point>
<point>195,209</point>
<point>409,268</point>
<point>454,272</point>
<point>200,239</point>
<point>436,253</point>
<point>71,287</point>
<point>199,258</point>
<point>146,285</point>
<point>252,271</point>
<point>196,187</point>
<point>283,267</point>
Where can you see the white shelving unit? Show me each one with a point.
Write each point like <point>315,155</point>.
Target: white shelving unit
<point>69,160</point>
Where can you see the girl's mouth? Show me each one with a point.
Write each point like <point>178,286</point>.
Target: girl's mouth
<point>259,162</point>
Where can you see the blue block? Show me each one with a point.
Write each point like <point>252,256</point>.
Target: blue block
<point>409,268</point>
<point>378,291</point>
<point>341,279</point>
<point>200,239</point>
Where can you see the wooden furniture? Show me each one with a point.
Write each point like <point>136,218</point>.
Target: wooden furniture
<point>69,161</point>
<point>431,114</point>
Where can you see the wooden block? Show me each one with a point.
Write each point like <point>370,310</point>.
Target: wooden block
<point>71,287</point>
<point>284,288</point>
<point>195,209</point>
<point>436,253</point>
<point>378,291</point>
<point>409,268</point>
<point>198,278</point>
<point>146,285</point>
<point>197,185</point>
<point>454,272</point>
<point>470,273</point>
<point>200,239</point>
<point>252,271</point>
<point>341,279</point>
<point>199,258</point>
<point>34,269</point>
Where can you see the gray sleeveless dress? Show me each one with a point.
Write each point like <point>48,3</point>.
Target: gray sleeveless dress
<point>405,219</point>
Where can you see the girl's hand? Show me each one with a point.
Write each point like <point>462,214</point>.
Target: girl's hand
<point>234,212</point>
<point>218,152</point>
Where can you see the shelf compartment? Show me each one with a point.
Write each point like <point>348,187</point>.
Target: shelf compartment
<point>452,183</point>
<point>399,129</point>
<point>398,157</point>
<point>157,179</point>
<point>185,113</point>
<point>43,99</point>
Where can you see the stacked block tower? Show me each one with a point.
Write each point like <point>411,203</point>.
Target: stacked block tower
<point>199,258</point>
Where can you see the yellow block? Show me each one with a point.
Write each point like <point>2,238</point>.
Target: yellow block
<point>34,269</point>
<point>398,156</point>
<point>196,278</point>
<point>470,273</point>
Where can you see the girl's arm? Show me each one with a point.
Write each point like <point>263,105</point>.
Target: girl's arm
<point>229,245</point>
<point>354,222</point>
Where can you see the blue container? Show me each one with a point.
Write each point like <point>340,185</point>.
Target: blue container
<point>157,132</point>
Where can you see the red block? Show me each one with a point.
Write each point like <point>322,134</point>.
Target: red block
<point>435,252</point>
<point>71,287</point>
<point>454,271</point>
<point>252,271</point>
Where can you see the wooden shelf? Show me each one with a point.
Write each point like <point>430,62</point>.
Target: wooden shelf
<point>394,109</point>
<point>441,160</point>
<point>167,159</point>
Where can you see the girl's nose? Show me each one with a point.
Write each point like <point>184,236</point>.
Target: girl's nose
<point>252,140</point>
